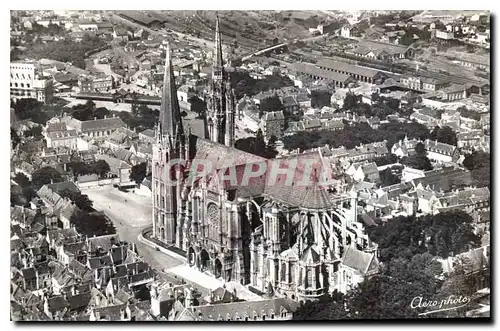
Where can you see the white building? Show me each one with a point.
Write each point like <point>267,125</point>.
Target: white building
<point>26,83</point>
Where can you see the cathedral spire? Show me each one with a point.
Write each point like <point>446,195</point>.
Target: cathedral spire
<point>217,60</point>
<point>170,114</point>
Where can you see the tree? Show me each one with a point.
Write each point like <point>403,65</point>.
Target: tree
<point>271,104</point>
<point>479,165</point>
<point>14,138</point>
<point>135,104</point>
<point>197,105</point>
<point>320,98</point>
<point>420,162</point>
<point>138,172</point>
<point>444,135</point>
<point>84,112</point>
<point>328,307</point>
<point>35,131</point>
<point>420,149</point>
<point>384,160</point>
<point>387,178</point>
<point>351,101</point>
<point>30,109</point>
<point>101,168</point>
<point>92,224</point>
<point>407,236</point>
<point>257,146</point>
<point>45,175</point>
<point>101,112</point>
<point>21,179</point>
<point>79,168</point>
<point>82,201</point>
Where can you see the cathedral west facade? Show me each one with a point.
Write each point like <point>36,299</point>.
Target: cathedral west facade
<point>298,240</point>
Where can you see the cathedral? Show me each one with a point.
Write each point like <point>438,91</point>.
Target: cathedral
<point>298,241</point>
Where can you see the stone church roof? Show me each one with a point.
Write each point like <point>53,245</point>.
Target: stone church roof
<point>299,192</point>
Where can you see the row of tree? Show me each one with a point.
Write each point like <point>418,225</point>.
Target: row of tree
<point>66,50</point>
<point>99,167</point>
<point>257,145</point>
<point>479,165</point>
<point>355,135</point>
<point>243,84</point>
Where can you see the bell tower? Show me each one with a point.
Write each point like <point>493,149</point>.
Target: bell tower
<point>170,145</point>
<point>220,101</point>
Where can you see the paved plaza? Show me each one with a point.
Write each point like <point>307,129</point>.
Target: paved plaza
<point>130,214</point>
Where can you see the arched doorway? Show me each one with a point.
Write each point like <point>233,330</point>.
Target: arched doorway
<point>204,260</point>
<point>162,234</point>
<point>191,256</point>
<point>218,269</point>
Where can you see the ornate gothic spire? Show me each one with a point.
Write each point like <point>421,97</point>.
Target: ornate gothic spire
<point>217,60</point>
<point>170,114</point>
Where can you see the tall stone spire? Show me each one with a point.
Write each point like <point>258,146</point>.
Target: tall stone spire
<point>217,60</point>
<point>170,114</point>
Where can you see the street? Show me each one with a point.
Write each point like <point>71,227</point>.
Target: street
<point>130,214</point>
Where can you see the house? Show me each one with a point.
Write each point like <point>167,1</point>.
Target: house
<point>444,35</point>
<point>272,124</point>
<point>317,73</point>
<point>474,261</point>
<point>359,73</point>
<point>367,172</point>
<point>290,104</point>
<point>355,266</point>
<point>251,120</point>
<point>147,135</point>
<point>422,83</point>
<point>184,93</point>
<point>62,139</point>
<point>444,179</point>
<point>441,152</point>
<point>118,168</point>
<point>86,25</point>
<point>453,92</point>
<point>348,31</point>
<point>121,34</point>
<point>279,309</point>
<point>100,127</point>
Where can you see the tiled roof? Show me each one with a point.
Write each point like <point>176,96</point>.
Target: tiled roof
<point>346,67</point>
<point>296,191</point>
<point>58,126</point>
<point>114,163</point>
<point>61,186</point>
<point>219,155</point>
<point>310,255</point>
<point>244,309</point>
<point>149,133</point>
<point>57,303</point>
<point>357,260</point>
<point>273,115</point>
<point>102,124</point>
<point>369,168</point>
<point>105,242</point>
<point>386,47</point>
<point>311,69</point>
